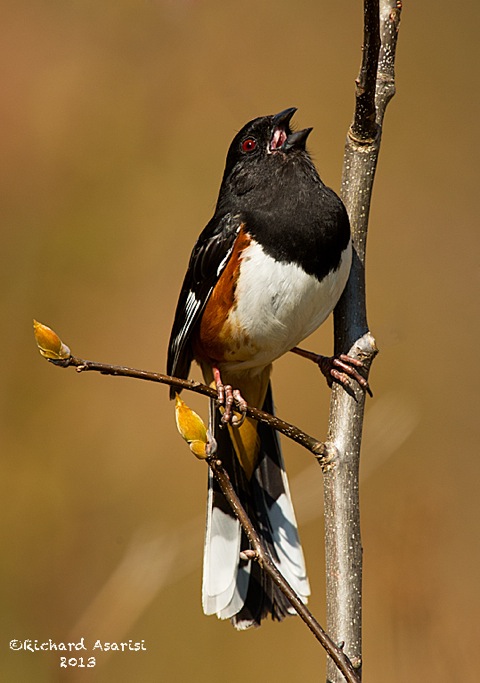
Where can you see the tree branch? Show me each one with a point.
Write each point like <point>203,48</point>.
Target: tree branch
<point>374,87</point>
<point>364,125</point>
<point>322,452</point>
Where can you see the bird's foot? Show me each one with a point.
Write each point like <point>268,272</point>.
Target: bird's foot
<point>339,368</point>
<point>230,399</point>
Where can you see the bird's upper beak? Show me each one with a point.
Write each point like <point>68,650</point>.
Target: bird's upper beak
<point>282,136</point>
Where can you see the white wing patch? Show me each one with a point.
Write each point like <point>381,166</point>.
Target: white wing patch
<point>192,305</point>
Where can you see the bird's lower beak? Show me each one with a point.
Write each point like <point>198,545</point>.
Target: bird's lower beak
<point>297,139</point>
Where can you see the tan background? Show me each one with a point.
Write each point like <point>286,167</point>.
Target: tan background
<point>115,120</point>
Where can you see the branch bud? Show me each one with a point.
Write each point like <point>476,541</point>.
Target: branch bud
<point>49,343</point>
<point>191,428</point>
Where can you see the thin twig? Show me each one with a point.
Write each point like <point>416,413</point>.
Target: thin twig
<point>262,556</point>
<point>318,448</point>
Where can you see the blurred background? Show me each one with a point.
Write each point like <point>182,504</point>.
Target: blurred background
<point>115,119</point>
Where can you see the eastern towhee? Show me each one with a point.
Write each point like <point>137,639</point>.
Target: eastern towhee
<point>266,271</point>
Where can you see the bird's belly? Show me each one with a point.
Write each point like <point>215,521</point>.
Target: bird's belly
<point>276,306</point>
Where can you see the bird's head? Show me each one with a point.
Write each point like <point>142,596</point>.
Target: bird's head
<point>260,147</point>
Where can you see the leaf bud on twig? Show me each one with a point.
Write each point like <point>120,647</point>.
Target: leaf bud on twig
<point>191,428</point>
<point>49,343</point>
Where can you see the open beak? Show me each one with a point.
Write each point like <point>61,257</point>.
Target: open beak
<point>282,137</point>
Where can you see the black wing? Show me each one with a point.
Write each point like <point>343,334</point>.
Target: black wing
<point>209,257</point>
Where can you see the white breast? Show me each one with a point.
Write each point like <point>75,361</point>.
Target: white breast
<point>278,306</point>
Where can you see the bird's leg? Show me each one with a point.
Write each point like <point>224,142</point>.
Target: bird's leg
<point>339,368</point>
<point>228,398</point>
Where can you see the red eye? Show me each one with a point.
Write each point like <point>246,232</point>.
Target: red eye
<point>249,144</point>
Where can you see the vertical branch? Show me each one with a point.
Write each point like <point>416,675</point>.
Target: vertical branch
<point>364,120</point>
<point>389,22</point>
<point>374,89</point>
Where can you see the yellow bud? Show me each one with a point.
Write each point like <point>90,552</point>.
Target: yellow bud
<point>191,428</point>
<point>49,343</point>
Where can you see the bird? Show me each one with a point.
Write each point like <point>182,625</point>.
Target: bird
<point>266,271</point>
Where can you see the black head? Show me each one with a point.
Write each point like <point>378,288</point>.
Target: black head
<point>264,136</point>
<point>262,145</point>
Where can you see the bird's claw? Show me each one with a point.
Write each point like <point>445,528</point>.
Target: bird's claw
<point>232,401</point>
<point>340,368</point>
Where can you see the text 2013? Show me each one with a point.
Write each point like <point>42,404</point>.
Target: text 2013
<point>79,662</point>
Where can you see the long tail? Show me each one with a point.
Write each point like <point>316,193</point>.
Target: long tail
<point>233,588</point>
